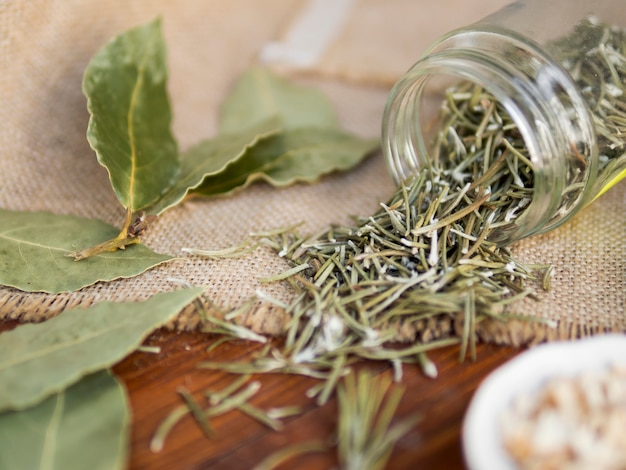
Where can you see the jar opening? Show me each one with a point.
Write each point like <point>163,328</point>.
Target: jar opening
<point>462,109</point>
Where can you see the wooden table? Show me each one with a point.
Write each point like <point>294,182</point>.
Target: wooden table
<point>241,442</point>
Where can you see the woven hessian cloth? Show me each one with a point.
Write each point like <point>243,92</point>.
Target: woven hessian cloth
<point>47,164</point>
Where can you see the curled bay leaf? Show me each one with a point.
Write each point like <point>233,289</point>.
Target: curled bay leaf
<point>259,95</point>
<point>211,157</point>
<point>41,359</point>
<point>85,426</point>
<point>295,155</point>
<point>34,249</point>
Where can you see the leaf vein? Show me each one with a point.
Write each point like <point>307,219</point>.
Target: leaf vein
<point>84,338</point>
<point>131,132</point>
<point>27,242</point>
<point>51,435</point>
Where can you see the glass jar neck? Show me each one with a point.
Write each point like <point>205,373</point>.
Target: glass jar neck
<point>536,92</point>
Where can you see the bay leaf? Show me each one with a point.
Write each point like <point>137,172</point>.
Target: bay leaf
<point>130,125</point>
<point>41,359</point>
<point>211,157</point>
<point>84,426</point>
<point>294,155</point>
<point>34,249</point>
<point>259,94</point>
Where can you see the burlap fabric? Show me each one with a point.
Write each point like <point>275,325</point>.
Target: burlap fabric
<point>46,163</point>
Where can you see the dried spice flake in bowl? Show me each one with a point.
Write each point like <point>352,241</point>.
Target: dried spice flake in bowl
<point>573,422</point>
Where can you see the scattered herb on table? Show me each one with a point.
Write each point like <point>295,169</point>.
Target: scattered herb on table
<point>234,396</point>
<point>366,434</point>
<point>284,454</point>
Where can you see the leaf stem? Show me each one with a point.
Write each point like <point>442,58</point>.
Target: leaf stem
<point>129,235</point>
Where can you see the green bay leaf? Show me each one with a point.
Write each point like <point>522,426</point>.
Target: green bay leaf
<point>294,155</point>
<point>85,426</point>
<point>259,95</point>
<point>34,250</point>
<point>130,125</point>
<point>42,359</point>
<point>211,157</point>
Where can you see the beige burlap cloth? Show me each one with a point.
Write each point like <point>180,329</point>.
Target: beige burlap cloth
<point>46,163</point>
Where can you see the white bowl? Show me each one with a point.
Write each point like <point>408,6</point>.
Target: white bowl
<point>527,373</point>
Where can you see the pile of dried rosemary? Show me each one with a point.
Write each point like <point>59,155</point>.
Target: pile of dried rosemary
<point>421,269</point>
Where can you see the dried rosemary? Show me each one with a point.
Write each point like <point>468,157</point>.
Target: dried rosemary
<point>366,435</point>
<point>232,397</point>
<point>420,268</point>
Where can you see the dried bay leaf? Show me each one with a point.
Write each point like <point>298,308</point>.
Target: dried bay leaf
<point>41,359</point>
<point>307,160</point>
<point>130,124</point>
<point>294,155</point>
<point>84,426</point>
<point>34,249</point>
<point>126,88</point>
<point>308,145</point>
<point>211,157</point>
<point>259,94</point>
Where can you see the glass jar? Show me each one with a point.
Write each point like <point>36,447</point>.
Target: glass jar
<point>558,69</point>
